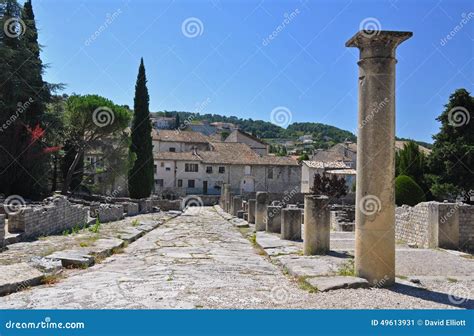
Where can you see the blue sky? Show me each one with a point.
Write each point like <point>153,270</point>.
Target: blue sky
<point>229,69</point>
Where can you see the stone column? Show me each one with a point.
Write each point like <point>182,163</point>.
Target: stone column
<point>273,219</point>
<point>316,225</point>
<point>251,207</point>
<point>236,204</point>
<point>225,192</point>
<point>291,224</point>
<point>260,210</point>
<point>375,191</point>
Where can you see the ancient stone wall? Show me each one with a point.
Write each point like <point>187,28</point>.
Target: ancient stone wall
<point>108,212</point>
<point>130,208</point>
<point>55,216</point>
<point>342,218</point>
<point>433,224</point>
<point>166,205</point>
<point>145,205</point>
<point>466,227</point>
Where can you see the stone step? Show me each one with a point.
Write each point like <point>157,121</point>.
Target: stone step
<point>73,258</point>
<point>131,234</point>
<point>19,276</point>
<point>324,284</point>
<point>102,248</point>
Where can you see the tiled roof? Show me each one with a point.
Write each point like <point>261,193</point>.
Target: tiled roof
<point>342,171</point>
<point>325,165</point>
<point>179,136</point>
<point>183,156</point>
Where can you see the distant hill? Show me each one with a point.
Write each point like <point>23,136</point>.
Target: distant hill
<point>324,135</point>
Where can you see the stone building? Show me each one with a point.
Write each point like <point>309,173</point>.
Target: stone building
<point>259,146</point>
<point>179,141</point>
<point>339,168</point>
<point>205,171</point>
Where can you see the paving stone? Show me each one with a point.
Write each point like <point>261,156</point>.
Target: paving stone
<point>47,265</point>
<point>324,284</point>
<point>311,266</point>
<point>73,258</point>
<point>267,240</point>
<point>130,234</point>
<point>102,248</point>
<point>17,277</point>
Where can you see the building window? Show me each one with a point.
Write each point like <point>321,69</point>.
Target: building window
<point>162,164</point>
<point>221,170</point>
<point>155,168</point>
<point>247,170</point>
<point>180,183</point>
<point>190,183</point>
<point>270,173</point>
<point>167,168</point>
<point>172,149</point>
<point>159,182</point>
<point>209,169</point>
<point>191,167</point>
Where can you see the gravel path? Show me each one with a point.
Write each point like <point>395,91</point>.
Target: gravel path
<point>199,260</point>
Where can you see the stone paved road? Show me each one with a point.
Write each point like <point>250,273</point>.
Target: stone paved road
<point>199,260</point>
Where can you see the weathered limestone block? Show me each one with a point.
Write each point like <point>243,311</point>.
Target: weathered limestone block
<point>261,200</point>
<point>130,208</point>
<point>236,204</point>
<point>316,225</point>
<point>251,210</point>
<point>291,224</point>
<point>109,212</point>
<point>466,227</point>
<point>17,277</point>
<point>273,219</point>
<point>145,205</point>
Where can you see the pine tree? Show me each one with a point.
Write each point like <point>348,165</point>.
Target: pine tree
<point>140,177</point>
<point>452,158</point>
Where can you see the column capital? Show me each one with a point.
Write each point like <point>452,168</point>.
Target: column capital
<point>377,43</point>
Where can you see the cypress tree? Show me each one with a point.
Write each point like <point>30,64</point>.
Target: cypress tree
<point>140,177</point>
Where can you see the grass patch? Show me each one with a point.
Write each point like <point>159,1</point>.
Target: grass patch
<point>403,277</point>
<point>135,222</point>
<point>347,269</point>
<point>451,280</point>
<point>51,279</point>
<point>96,227</point>
<point>304,285</point>
<point>84,244</point>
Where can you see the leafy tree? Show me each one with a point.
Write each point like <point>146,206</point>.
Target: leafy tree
<point>333,187</point>
<point>89,120</point>
<point>452,159</point>
<point>407,191</point>
<point>303,157</point>
<point>140,177</point>
<point>412,162</point>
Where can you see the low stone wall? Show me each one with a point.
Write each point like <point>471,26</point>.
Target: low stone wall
<point>166,205</point>
<point>108,212</point>
<point>342,218</point>
<point>145,205</point>
<point>55,216</point>
<point>466,227</point>
<point>130,208</point>
<point>434,224</point>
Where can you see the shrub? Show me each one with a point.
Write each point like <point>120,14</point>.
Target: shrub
<point>407,191</point>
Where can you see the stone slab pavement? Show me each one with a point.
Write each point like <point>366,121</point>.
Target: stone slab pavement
<point>201,260</point>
